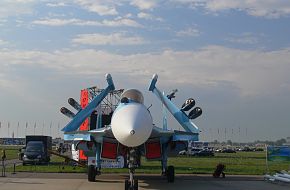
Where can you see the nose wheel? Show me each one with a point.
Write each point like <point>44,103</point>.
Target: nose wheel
<point>170,174</point>
<point>131,186</point>
<point>92,173</point>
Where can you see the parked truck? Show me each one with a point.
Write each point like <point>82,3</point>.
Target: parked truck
<point>37,149</point>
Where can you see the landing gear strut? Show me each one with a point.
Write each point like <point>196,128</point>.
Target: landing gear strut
<point>131,183</point>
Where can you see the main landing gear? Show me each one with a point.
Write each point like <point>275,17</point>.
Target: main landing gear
<point>170,174</point>
<point>92,172</point>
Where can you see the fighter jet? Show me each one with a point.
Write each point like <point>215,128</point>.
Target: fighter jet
<point>131,132</point>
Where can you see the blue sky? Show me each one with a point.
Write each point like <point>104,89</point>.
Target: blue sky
<point>233,57</point>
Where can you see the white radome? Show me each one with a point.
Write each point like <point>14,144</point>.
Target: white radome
<point>132,124</point>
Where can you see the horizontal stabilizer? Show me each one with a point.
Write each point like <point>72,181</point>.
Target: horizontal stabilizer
<point>74,104</point>
<point>67,112</point>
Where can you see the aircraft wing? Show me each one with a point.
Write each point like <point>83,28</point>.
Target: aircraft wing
<point>96,134</point>
<point>175,135</point>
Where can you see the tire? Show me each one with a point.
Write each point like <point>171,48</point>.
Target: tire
<point>170,174</point>
<point>91,173</point>
<point>136,184</point>
<point>127,184</point>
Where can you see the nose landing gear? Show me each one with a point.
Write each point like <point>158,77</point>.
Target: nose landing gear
<point>131,184</point>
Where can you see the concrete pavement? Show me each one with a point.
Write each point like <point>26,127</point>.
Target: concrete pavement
<point>61,181</point>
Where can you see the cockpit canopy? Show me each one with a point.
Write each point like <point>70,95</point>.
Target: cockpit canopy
<point>134,95</point>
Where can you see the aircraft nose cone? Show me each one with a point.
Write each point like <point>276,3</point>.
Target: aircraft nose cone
<point>132,124</point>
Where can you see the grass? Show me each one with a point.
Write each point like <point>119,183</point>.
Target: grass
<point>242,163</point>
<point>10,151</point>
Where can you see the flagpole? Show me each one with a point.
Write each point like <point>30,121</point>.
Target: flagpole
<point>8,128</point>
<point>26,125</point>
<point>267,166</point>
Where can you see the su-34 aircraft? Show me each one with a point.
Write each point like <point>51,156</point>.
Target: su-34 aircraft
<point>131,132</point>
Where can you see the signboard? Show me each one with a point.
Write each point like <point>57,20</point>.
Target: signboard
<point>118,163</point>
<point>278,153</point>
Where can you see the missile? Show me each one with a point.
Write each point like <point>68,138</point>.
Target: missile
<point>67,112</point>
<point>74,104</point>
<point>188,104</point>
<point>196,112</point>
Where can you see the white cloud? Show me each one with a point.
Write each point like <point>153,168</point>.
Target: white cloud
<point>191,32</point>
<point>59,22</point>
<point>121,22</point>
<point>15,8</point>
<point>77,22</point>
<point>3,42</point>
<point>144,4</point>
<point>148,16</point>
<point>58,4</point>
<point>111,39</point>
<point>100,7</point>
<point>253,73</point>
<point>265,8</point>
<point>245,38</point>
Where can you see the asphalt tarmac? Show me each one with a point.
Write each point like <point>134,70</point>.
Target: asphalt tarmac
<point>64,181</point>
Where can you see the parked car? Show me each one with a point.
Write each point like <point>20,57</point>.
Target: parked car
<point>258,149</point>
<point>183,152</point>
<point>190,152</point>
<point>228,150</point>
<point>204,153</point>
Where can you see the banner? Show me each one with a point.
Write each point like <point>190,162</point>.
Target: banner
<point>85,125</point>
<point>278,153</point>
<point>84,103</point>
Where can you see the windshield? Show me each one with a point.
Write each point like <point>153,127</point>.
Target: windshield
<point>35,147</point>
